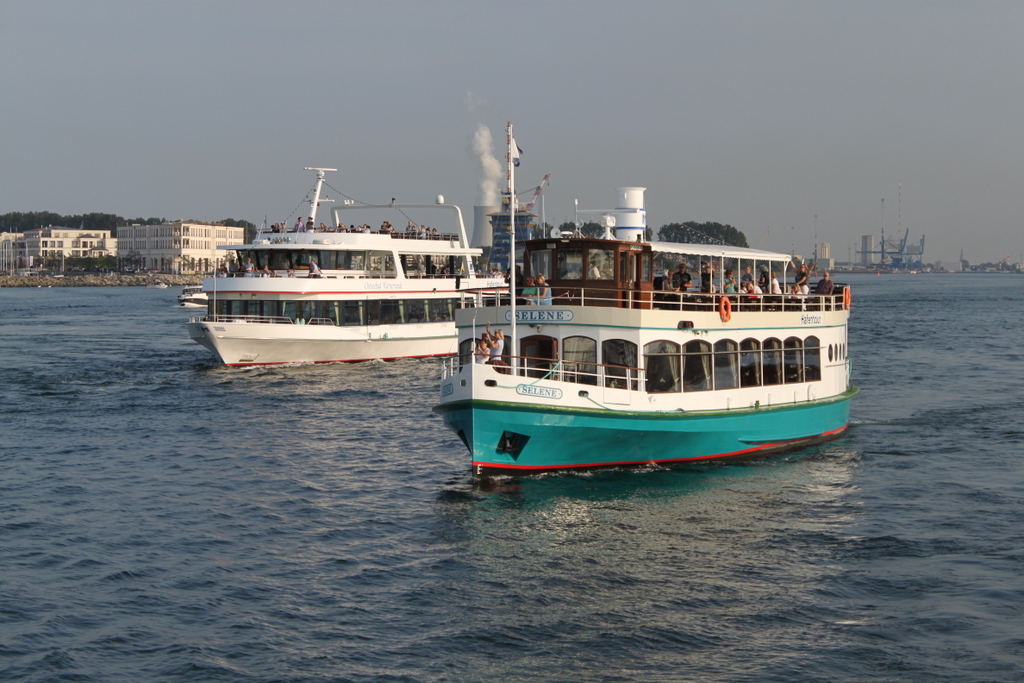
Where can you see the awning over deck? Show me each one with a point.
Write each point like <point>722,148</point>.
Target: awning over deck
<point>718,251</point>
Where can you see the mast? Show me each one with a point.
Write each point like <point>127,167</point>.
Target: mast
<point>512,246</point>
<point>314,203</point>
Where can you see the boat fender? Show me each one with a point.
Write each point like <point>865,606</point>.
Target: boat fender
<point>725,309</point>
<point>846,298</point>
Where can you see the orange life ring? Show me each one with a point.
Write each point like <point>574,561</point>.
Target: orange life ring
<point>725,309</point>
<point>846,298</point>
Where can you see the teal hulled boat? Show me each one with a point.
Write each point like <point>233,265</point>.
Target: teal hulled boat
<point>623,368</point>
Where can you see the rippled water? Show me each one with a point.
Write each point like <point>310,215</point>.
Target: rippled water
<point>166,519</point>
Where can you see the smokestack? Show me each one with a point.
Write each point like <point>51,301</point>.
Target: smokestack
<point>631,221</point>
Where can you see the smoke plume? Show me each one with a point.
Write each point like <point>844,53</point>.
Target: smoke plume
<point>490,167</point>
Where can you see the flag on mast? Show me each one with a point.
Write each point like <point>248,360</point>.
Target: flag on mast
<point>516,153</point>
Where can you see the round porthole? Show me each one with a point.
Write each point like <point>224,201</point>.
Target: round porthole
<point>829,353</point>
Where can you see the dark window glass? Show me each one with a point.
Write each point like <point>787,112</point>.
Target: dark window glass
<point>353,313</point>
<point>661,361</point>
<point>279,260</point>
<point>727,365</point>
<point>750,363</point>
<point>416,311</point>
<point>373,312</point>
<point>772,361</point>
<point>579,357</point>
<point>812,359</point>
<point>697,366</point>
<point>794,361</point>
<point>622,353</point>
<point>391,312</point>
<point>440,310</point>
<point>569,264</point>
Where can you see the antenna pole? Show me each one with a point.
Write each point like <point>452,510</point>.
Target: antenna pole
<point>512,250</point>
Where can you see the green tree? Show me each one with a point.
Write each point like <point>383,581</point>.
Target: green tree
<point>692,232</point>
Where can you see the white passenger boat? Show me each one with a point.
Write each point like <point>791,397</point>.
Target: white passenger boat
<point>309,294</point>
<point>605,371</point>
<point>193,295</point>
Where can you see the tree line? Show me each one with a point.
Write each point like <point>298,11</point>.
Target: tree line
<point>690,232</point>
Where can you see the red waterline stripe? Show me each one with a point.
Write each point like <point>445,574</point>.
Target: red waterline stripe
<point>643,462</point>
<point>320,362</point>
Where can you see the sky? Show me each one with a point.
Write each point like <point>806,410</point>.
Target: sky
<point>786,120</point>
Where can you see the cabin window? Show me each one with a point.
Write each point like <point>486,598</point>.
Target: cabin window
<point>416,311</point>
<point>569,264</point>
<point>391,312</point>
<point>467,347</point>
<point>622,355</point>
<point>727,365</point>
<point>579,356</point>
<point>540,263</point>
<point>697,366</point>
<point>328,259</point>
<point>750,363</point>
<point>772,361</point>
<point>601,264</point>
<point>279,260</point>
<point>440,309</point>
<point>645,260</point>
<point>661,360</point>
<point>812,359</point>
<point>381,264</point>
<point>301,259</point>
<point>353,313</point>
<point>793,361</point>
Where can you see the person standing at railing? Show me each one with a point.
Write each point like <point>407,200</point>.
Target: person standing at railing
<point>497,344</point>
<point>729,284</point>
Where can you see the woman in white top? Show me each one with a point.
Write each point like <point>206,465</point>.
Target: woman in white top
<point>497,344</point>
<point>773,285</point>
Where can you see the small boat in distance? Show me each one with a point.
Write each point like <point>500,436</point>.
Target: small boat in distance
<point>158,285</point>
<point>193,295</point>
<point>318,293</point>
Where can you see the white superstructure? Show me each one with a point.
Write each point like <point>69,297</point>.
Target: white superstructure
<point>317,293</point>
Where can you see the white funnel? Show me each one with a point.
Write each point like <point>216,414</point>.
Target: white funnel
<point>630,214</point>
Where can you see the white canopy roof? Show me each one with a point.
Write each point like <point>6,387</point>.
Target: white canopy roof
<point>718,250</point>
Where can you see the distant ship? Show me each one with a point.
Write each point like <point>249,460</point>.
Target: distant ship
<point>322,294</point>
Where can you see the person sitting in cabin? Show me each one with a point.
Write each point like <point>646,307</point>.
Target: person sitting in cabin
<point>543,291</point>
<point>314,269</point>
<point>825,285</point>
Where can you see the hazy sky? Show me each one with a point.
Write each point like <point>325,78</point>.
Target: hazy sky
<point>756,114</point>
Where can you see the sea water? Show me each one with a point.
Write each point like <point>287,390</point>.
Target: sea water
<point>163,518</point>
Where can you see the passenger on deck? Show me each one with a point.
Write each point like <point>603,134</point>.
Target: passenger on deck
<point>482,352</point>
<point>497,344</point>
<point>747,276</point>
<point>800,280</point>
<point>250,268</point>
<point>705,279</point>
<point>773,284</point>
<point>530,292</point>
<point>314,269</point>
<point>681,279</point>
<point>543,291</point>
<point>309,224</point>
<point>750,287</point>
<point>729,284</point>
<point>298,225</point>
<point>291,272</point>
<point>762,279</point>
<point>265,272</point>
<point>825,285</point>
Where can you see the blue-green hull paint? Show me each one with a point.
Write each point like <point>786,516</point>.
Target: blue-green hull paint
<point>580,439</point>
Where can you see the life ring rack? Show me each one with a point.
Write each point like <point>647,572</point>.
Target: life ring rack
<point>725,309</point>
<point>846,298</point>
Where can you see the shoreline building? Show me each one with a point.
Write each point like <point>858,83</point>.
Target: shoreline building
<point>181,246</point>
<point>59,242</point>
